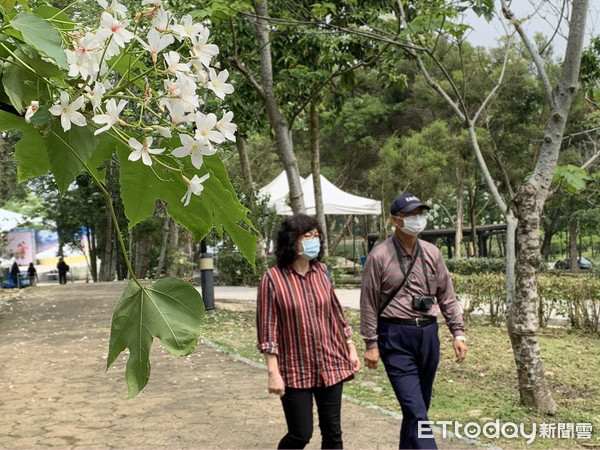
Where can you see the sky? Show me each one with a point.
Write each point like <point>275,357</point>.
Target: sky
<point>485,33</point>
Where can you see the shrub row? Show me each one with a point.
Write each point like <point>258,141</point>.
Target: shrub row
<point>576,298</point>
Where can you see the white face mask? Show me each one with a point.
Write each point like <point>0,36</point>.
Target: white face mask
<point>413,225</point>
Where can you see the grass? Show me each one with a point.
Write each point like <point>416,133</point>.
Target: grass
<point>482,389</point>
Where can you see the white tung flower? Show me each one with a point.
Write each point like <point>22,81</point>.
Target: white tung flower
<point>143,150</point>
<point>111,117</point>
<point>31,110</point>
<point>201,50</point>
<point>194,187</point>
<point>156,42</point>
<point>95,95</point>
<point>187,28</point>
<point>109,26</point>
<point>162,19</point>
<point>226,127</point>
<point>173,65</point>
<point>204,129</point>
<point>68,111</point>
<point>217,83</point>
<point>196,148</point>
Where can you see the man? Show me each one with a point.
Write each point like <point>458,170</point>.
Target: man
<point>63,268</point>
<point>405,285</point>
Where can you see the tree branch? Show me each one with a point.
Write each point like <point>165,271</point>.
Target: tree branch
<point>496,87</point>
<point>533,51</point>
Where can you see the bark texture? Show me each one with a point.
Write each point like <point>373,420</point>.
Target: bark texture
<point>316,173</point>
<point>523,323</point>
<point>283,134</point>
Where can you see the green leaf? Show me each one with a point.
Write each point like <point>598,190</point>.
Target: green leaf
<point>68,152</point>
<point>29,151</point>
<point>12,80</point>
<point>217,205</point>
<point>573,178</point>
<point>169,309</point>
<point>8,5</point>
<point>104,150</point>
<point>42,35</point>
<point>56,17</point>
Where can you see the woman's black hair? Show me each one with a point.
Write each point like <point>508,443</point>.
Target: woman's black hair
<point>286,249</point>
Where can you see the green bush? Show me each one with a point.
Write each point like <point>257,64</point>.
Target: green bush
<point>575,297</point>
<point>469,266</point>
<point>234,270</point>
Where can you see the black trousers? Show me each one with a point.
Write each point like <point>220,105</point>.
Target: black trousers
<point>62,277</point>
<point>298,409</point>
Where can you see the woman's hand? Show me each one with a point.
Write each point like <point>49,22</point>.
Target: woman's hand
<point>276,385</point>
<point>354,359</point>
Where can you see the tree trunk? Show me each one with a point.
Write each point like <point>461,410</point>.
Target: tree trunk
<point>458,235</point>
<point>522,322</point>
<point>244,162</point>
<point>163,246</point>
<point>171,269</point>
<point>548,234</point>
<point>473,220</point>
<point>316,173</point>
<point>142,255</point>
<point>283,135</point>
<point>91,245</point>
<point>573,254</point>
<point>340,236</point>
<point>108,252</point>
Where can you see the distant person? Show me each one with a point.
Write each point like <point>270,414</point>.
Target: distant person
<point>63,268</point>
<point>32,274</point>
<point>14,274</point>
<point>304,335</point>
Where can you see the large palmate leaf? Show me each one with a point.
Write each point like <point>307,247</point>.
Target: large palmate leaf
<point>170,310</point>
<point>217,205</point>
<point>68,151</point>
<point>29,151</point>
<point>41,35</point>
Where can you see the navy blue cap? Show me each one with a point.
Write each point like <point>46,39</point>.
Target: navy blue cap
<point>406,203</point>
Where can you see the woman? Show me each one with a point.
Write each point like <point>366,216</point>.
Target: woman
<point>303,333</point>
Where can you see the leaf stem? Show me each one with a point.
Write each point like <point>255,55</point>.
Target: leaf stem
<point>114,218</point>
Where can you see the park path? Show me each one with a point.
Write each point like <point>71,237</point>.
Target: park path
<point>55,392</point>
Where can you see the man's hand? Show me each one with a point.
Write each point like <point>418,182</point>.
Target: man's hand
<point>460,349</point>
<point>371,358</point>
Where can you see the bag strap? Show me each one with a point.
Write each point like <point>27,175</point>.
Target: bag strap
<point>418,254</point>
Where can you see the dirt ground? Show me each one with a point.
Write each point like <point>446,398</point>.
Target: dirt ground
<point>56,391</point>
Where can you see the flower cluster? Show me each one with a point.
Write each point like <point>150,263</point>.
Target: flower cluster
<point>153,101</point>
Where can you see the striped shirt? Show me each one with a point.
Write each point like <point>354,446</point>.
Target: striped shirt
<point>300,319</point>
<point>382,275</point>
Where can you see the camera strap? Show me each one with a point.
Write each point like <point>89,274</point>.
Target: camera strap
<point>406,273</point>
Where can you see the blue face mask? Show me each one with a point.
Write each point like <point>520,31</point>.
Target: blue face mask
<point>312,247</point>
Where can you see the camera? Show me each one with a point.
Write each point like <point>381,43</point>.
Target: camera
<point>422,302</point>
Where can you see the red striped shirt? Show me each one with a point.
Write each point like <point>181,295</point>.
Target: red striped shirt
<point>300,319</point>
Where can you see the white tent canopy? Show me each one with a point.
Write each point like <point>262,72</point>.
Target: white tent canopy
<point>335,201</point>
<point>277,190</point>
<point>10,220</point>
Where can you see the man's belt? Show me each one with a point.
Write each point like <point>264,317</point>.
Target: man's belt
<point>418,322</point>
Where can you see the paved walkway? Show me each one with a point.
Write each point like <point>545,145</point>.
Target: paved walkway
<point>56,392</point>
